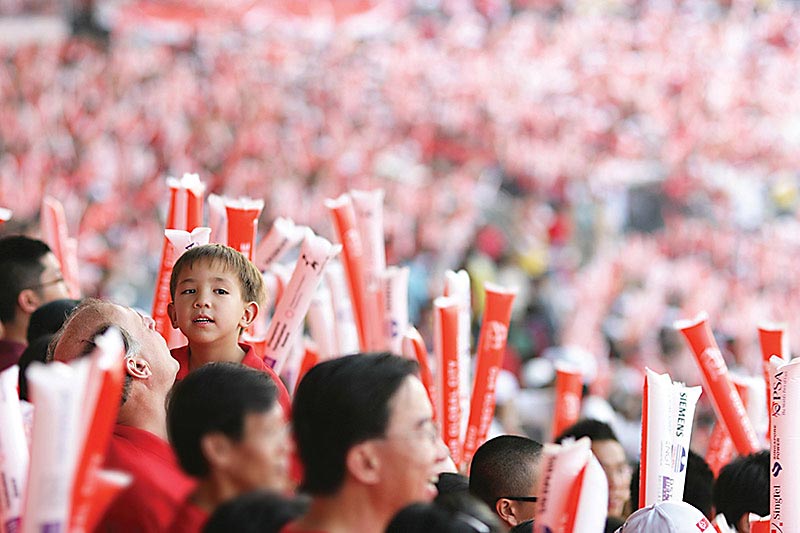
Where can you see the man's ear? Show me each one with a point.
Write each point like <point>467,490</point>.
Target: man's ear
<point>505,510</point>
<point>28,301</point>
<point>137,367</point>
<point>216,449</point>
<point>362,462</point>
<point>173,316</point>
<point>744,523</point>
<point>249,314</point>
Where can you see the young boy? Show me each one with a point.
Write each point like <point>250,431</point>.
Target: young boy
<point>216,292</point>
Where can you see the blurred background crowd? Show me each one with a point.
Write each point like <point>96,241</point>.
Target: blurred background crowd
<point>625,163</point>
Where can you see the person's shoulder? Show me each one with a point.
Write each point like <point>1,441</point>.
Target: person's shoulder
<point>189,518</point>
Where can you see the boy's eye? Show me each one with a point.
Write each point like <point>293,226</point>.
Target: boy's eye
<point>221,291</point>
<point>188,291</point>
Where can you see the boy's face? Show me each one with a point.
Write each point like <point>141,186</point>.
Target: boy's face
<point>208,305</point>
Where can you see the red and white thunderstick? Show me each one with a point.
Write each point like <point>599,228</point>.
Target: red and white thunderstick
<point>185,213</point>
<point>282,238</point>
<point>784,447</point>
<point>569,388</point>
<point>242,215</point>
<point>457,285</point>
<point>287,320</point>
<point>394,295</point>
<point>91,487</point>
<point>344,222</point>
<point>14,455</point>
<point>774,341</point>
<point>5,214</point>
<point>717,383</point>
<point>55,233</point>
<point>491,348</point>
<point>667,417</point>
<point>572,489</point>
<point>414,348</point>
<point>344,325</point>
<point>448,405</point>
<point>368,207</point>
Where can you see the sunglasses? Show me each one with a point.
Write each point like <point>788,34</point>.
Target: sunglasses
<point>518,498</point>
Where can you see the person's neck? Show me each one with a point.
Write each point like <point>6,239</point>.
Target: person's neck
<point>145,415</point>
<point>226,349</point>
<point>211,492</point>
<point>15,331</point>
<point>354,509</point>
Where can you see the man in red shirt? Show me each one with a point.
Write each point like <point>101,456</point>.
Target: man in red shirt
<point>139,443</point>
<point>228,431</point>
<point>365,434</point>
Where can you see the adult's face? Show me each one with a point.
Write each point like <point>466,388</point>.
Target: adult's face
<point>51,285</point>
<point>411,450</point>
<point>260,459</point>
<point>152,347</point>
<point>611,457</point>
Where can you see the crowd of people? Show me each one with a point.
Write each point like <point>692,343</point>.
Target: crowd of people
<point>203,429</point>
<point>533,147</point>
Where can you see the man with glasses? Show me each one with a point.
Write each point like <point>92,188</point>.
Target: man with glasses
<point>30,276</point>
<point>504,473</point>
<point>365,434</point>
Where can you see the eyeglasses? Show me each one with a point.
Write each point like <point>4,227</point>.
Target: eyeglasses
<point>44,284</point>
<point>518,498</point>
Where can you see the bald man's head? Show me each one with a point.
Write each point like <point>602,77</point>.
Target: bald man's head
<point>147,354</point>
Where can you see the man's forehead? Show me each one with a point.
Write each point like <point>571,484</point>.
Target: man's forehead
<point>83,324</point>
<point>410,402</point>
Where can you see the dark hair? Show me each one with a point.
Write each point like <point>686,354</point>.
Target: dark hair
<point>20,269</point>
<point>455,513</point>
<point>341,403</point>
<point>49,318</point>
<point>503,466</point>
<point>523,527</point>
<point>588,427</point>
<point>613,523</point>
<point>215,398</point>
<point>452,483</point>
<point>255,512</point>
<point>697,491</point>
<point>250,280</point>
<point>35,351</point>
<point>743,487</point>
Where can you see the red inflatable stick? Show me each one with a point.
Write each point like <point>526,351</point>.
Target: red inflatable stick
<point>185,209</point>
<point>491,348</point>
<point>344,222</point>
<point>103,385</point>
<point>446,349</point>
<point>310,359</point>
<point>55,234</point>
<point>569,383</point>
<point>414,348</point>
<point>717,383</point>
<point>242,224</point>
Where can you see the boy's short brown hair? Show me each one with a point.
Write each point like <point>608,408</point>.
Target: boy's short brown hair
<point>250,279</point>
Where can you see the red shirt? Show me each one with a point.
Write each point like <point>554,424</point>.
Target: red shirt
<point>250,359</point>
<point>158,488</point>
<point>291,528</point>
<point>189,519</point>
<point>9,353</point>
